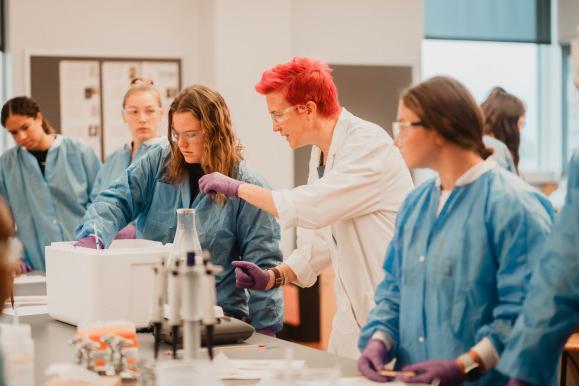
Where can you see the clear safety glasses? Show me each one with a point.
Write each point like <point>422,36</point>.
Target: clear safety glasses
<point>189,136</point>
<point>148,112</point>
<point>277,116</point>
<point>399,128</point>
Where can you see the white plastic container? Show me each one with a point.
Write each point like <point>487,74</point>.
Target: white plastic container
<point>86,285</point>
<point>17,354</point>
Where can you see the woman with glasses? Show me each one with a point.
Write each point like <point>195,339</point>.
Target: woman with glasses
<point>142,112</point>
<point>202,140</point>
<point>465,243</point>
<point>345,215</point>
<point>46,179</point>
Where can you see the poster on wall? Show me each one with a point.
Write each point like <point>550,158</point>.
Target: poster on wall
<point>117,78</point>
<point>80,101</point>
<point>166,79</point>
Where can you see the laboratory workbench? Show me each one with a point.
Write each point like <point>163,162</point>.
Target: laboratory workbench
<point>51,345</point>
<point>51,337</point>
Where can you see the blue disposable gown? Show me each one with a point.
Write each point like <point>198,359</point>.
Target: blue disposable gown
<point>116,163</point>
<point>551,310</point>
<point>456,278</point>
<point>502,154</point>
<point>48,208</point>
<point>236,231</point>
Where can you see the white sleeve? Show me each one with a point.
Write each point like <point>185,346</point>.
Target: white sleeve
<point>311,257</point>
<point>366,172</point>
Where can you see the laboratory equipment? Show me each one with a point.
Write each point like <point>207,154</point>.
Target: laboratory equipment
<point>190,290</point>
<point>86,285</point>
<point>186,240</point>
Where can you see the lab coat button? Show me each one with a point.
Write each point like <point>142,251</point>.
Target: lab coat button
<point>421,339</point>
<point>421,259</point>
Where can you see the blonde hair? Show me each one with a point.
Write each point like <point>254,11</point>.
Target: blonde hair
<point>142,84</point>
<point>222,151</point>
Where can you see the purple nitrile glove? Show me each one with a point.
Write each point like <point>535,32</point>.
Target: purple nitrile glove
<point>249,275</point>
<point>372,360</point>
<point>89,242</point>
<point>267,331</point>
<point>128,232</point>
<point>218,183</point>
<point>22,267</point>
<point>516,382</point>
<point>447,372</point>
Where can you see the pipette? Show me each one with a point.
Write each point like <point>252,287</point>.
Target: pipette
<point>96,236</point>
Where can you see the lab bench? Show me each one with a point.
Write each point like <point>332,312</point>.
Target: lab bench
<point>51,346</point>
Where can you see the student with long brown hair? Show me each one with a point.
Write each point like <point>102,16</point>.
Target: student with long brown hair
<point>202,140</point>
<point>46,179</point>
<point>464,246</point>
<point>504,117</point>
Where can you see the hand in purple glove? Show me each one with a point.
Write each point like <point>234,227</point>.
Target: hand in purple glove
<point>447,372</point>
<point>373,360</point>
<point>89,242</point>
<point>516,382</point>
<point>128,232</point>
<point>250,276</point>
<point>267,331</point>
<point>22,267</point>
<point>218,183</point>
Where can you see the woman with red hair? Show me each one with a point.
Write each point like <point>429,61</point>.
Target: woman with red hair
<point>345,215</point>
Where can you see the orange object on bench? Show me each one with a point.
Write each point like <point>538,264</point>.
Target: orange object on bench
<point>572,345</point>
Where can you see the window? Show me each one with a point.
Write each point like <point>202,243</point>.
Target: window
<point>570,108</point>
<point>482,65</point>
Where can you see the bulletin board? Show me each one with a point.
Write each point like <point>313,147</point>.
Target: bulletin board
<point>81,96</point>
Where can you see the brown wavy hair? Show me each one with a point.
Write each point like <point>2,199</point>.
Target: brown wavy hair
<point>222,151</point>
<point>447,107</point>
<point>502,111</point>
<point>25,106</point>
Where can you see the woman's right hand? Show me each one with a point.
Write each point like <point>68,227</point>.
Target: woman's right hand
<point>248,275</point>
<point>89,242</point>
<point>373,360</point>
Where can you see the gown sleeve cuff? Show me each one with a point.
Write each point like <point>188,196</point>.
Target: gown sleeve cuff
<point>286,209</point>
<point>385,338</point>
<point>303,270</point>
<point>487,353</point>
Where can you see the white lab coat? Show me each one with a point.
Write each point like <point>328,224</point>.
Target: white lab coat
<point>347,219</point>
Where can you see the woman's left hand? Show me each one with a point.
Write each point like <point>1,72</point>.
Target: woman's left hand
<point>218,183</point>
<point>447,372</point>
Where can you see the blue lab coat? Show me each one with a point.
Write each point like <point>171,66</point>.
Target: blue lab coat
<point>116,163</point>
<point>456,278</point>
<point>551,310</point>
<point>235,231</point>
<point>48,208</point>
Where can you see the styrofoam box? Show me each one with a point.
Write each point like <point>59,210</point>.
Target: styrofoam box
<point>85,285</point>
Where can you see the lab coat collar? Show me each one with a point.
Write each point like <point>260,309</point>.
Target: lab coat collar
<point>338,136</point>
<point>472,174</point>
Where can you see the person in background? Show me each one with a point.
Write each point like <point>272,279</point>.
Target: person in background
<point>345,215</point>
<point>551,310</point>
<point>142,112</point>
<point>46,179</point>
<point>457,268</point>
<point>504,117</point>
<point>7,268</point>
<point>150,191</point>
